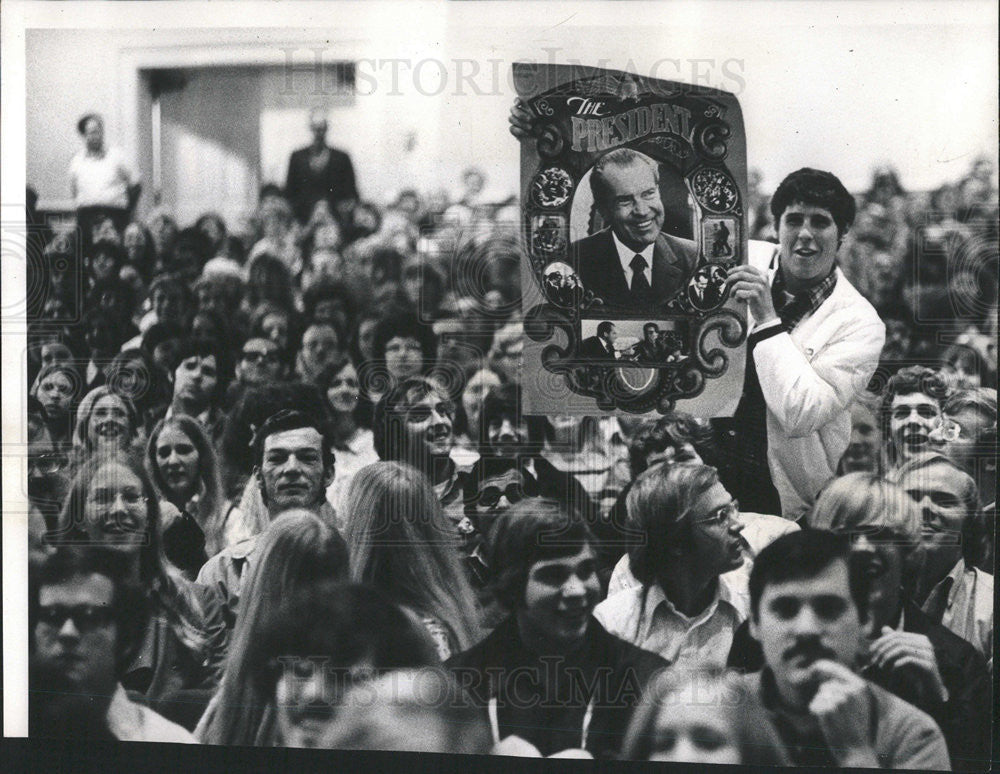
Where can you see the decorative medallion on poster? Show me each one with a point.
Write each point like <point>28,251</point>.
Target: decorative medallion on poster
<point>632,193</point>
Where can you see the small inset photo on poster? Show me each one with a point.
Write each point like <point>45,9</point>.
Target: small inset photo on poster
<point>561,284</point>
<point>649,343</point>
<point>549,235</point>
<point>707,288</point>
<point>719,237</point>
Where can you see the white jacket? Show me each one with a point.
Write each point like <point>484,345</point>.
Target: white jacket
<point>810,377</point>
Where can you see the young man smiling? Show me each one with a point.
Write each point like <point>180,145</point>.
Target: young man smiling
<point>551,678</point>
<point>814,343</point>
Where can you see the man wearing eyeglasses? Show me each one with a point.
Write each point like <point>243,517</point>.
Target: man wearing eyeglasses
<point>261,362</point>
<point>87,621</point>
<point>684,540</point>
<point>967,435</point>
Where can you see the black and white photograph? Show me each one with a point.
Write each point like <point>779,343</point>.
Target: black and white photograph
<point>449,383</point>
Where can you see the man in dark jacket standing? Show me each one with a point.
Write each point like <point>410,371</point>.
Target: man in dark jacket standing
<point>319,172</point>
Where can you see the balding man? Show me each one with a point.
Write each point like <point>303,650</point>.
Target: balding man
<point>632,264</point>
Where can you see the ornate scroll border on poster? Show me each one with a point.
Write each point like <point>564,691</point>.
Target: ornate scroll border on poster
<point>695,136</point>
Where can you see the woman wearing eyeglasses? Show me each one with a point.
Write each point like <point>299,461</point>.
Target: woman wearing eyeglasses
<point>684,539</point>
<point>185,470</point>
<point>400,541</point>
<point>112,502</point>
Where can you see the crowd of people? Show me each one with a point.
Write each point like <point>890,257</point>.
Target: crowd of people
<point>283,492</point>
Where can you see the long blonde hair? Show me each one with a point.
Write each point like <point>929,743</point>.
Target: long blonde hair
<point>295,551</point>
<point>401,542</point>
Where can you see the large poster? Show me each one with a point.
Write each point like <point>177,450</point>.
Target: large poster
<point>632,193</point>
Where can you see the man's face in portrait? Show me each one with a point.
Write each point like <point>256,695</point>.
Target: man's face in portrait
<point>632,203</point>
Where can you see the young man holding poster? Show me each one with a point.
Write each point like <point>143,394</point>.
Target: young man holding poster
<point>814,343</point>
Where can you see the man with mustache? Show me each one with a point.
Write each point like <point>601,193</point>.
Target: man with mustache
<point>910,412</point>
<point>684,540</point>
<point>293,465</point>
<point>909,654</point>
<point>808,610</point>
<point>633,264</point>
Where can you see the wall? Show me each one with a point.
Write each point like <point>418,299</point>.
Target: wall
<point>839,89</point>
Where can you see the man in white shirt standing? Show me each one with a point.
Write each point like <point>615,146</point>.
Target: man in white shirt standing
<point>102,183</point>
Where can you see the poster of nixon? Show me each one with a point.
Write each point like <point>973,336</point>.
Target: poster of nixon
<point>632,194</point>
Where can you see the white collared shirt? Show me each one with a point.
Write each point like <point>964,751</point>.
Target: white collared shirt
<point>645,617</point>
<point>627,254</point>
<point>968,611</point>
<point>131,722</point>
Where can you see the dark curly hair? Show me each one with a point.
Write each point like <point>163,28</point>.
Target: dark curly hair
<point>818,189</point>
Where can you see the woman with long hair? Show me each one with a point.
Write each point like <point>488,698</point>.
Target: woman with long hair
<point>185,470</point>
<point>112,502</point>
<point>354,445</point>
<point>401,542</point>
<point>296,551</point>
<point>106,423</point>
<point>58,388</point>
<point>135,375</point>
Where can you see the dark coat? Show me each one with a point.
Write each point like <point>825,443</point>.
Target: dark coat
<point>334,182</point>
<point>592,349</point>
<point>600,271</point>
<point>964,719</point>
<point>545,701</point>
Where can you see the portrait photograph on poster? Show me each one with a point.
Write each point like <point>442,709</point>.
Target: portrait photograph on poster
<point>632,208</point>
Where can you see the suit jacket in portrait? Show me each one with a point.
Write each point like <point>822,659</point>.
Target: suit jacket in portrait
<point>600,271</point>
<point>709,299</point>
<point>305,186</point>
<point>592,348</point>
<point>649,353</point>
